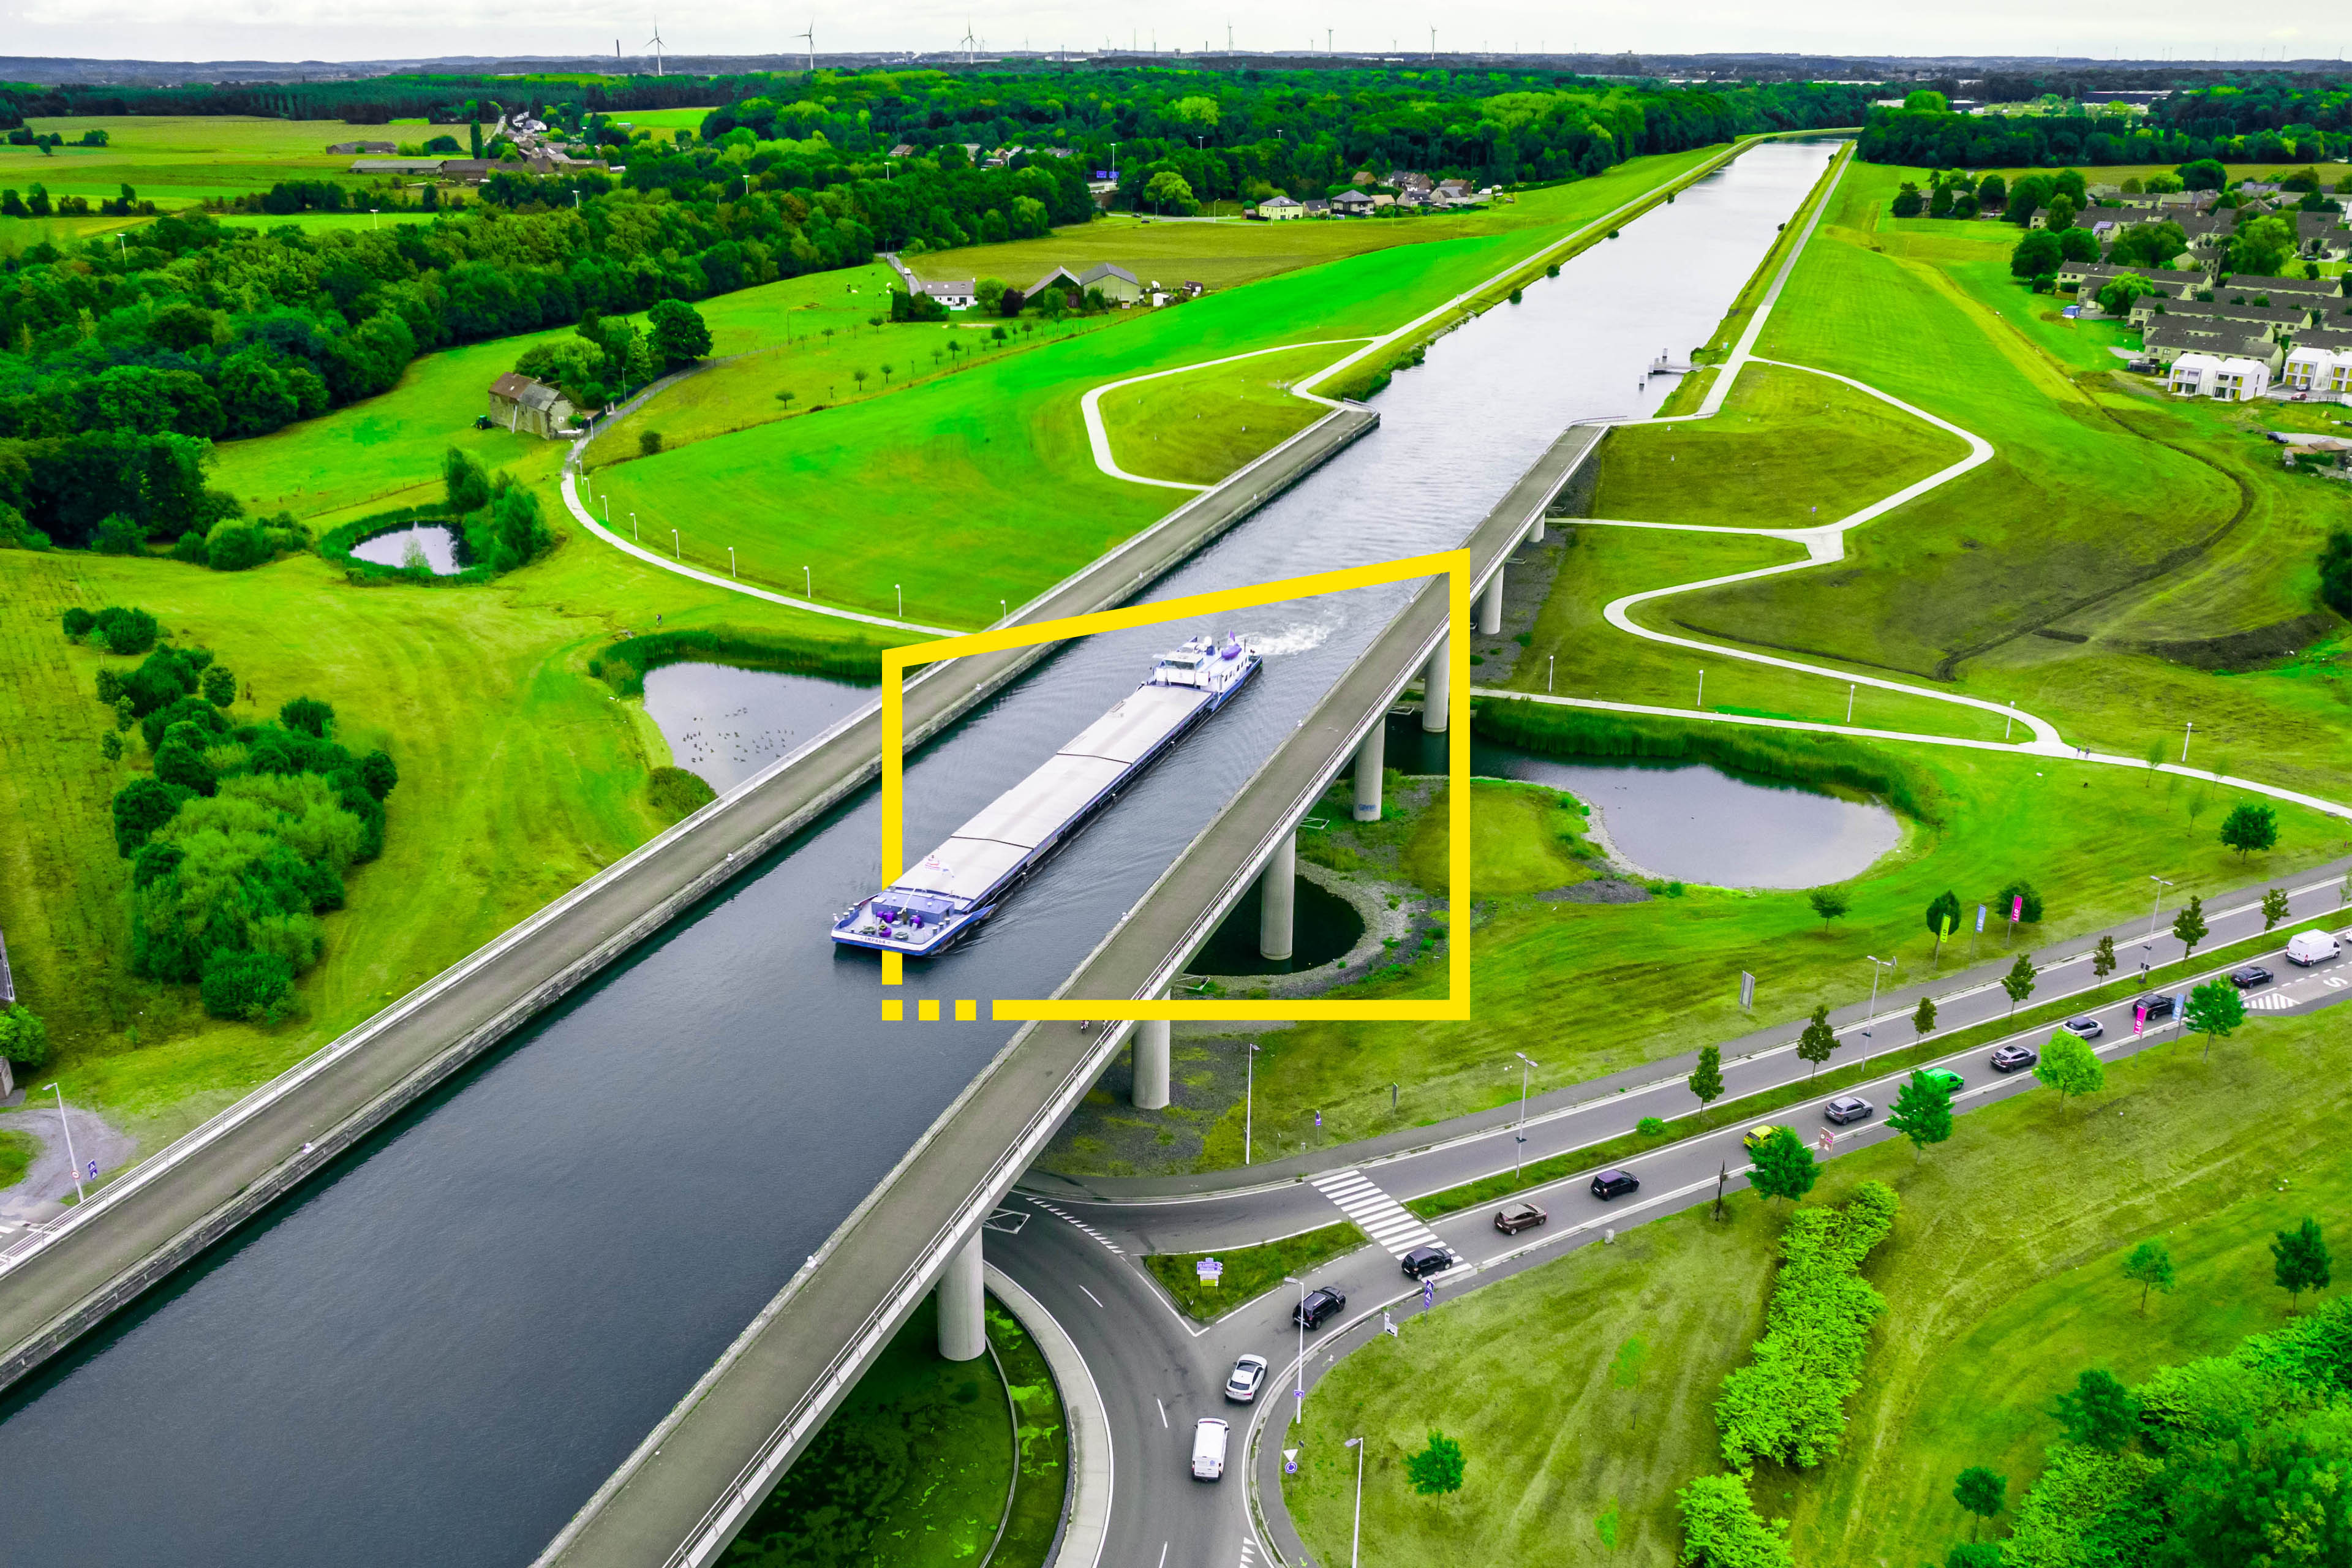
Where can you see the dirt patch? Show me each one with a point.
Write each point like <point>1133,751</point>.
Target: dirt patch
<point>2249,650</point>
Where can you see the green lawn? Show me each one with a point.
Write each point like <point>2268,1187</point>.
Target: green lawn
<point>16,1152</point>
<point>173,159</point>
<point>2078,833</point>
<point>1996,1303</point>
<point>1197,426</point>
<point>520,776</point>
<point>2109,519</point>
<point>1524,839</point>
<point>996,457</point>
<point>911,1471</point>
<point>1250,1271</point>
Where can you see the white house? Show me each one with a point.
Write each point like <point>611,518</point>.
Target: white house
<point>955,293</point>
<point>1275,209</point>
<point>2192,375</point>
<point>2317,371</point>
<point>2241,380</point>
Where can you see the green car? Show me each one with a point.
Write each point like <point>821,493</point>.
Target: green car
<point>1946,1080</point>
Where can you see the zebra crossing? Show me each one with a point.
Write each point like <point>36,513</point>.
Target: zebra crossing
<point>1376,1214</point>
<point>2271,1001</point>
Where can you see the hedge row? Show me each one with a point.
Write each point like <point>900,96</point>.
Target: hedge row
<point>1802,757</point>
<point>1789,1403</point>
<point>1722,1530</point>
<point>622,665</point>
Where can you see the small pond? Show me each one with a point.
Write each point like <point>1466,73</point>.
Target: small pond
<point>429,545</point>
<point>1688,822</point>
<point>1323,927</point>
<point>726,724</point>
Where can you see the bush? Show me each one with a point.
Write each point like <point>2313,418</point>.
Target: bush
<point>675,793</point>
<point>23,1039</point>
<point>1789,1403</point>
<point>1721,1528</point>
<point>142,806</point>
<point>2011,891</point>
<point>377,774</point>
<point>219,687</point>
<point>126,632</point>
<point>234,547</point>
<point>15,533</point>
<point>649,443</point>
<point>192,549</point>
<point>309,716</point>
<point>190,709</point>
<point>250,986</point>
<point>78,621</point>
<point>119,533</point>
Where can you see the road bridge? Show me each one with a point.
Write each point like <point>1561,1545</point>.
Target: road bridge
<point>698,1475</point>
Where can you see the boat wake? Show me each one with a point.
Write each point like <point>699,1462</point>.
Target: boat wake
<point>1302,638</point>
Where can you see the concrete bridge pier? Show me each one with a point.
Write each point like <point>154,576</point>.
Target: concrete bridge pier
<point>1279,898</point>
<point>1370,758</point>
<point>964,1306</point>
<point>1436,681</point>
<point>1536,534</point>
<point>1490,606</point>
<point>1151,1046</point>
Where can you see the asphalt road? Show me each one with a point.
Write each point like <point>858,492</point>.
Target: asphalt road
<point>1159,1372</point>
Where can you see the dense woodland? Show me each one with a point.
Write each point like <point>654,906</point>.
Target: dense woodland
<point>2264,120</point>
<point>120,361</point>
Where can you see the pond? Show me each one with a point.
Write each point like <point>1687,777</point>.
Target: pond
<point>1688,822</point>
<point>1324,926</point>
<point>429,545</point>
<point>726,724</point>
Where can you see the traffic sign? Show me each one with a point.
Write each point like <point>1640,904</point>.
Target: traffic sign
<point>1747,992</point>
<point>1210,1270</point>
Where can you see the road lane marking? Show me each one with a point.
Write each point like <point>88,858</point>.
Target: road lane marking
<point>1163,1409</point>
<point>1065,1214</point>
<point>1092,1296</point>
<point>1376,1214</point>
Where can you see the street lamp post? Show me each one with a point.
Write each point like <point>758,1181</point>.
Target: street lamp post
<point>1550,660</point>
<point>1702,691</point>
<point>1249,1098</point>
<point>730,561</point>
<point>902,599</point>
<point>1520,1133</point>
<point>71,1158</point>
<point>808,584</point>
<point>2155,909</point>
<point>1849,704</point>
<point>1356,1534</point>
<point>676,547</point>
<point>635,532</point>
<point>1876,965</point>
<point>1299,1396</point>
<point>2185,732</point>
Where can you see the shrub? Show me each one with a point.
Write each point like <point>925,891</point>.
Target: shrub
<point>251,985</point>
<point>195,711</point>
<point>675,793</point>
<point>192,549</point>
<point>649,443</point>
<point>142,806</point>
<point>1722,1530</point>
<point>1789,1403</point>
<point>119,533</point>
<point>15,533</point>
<point>234,547</point>
<point>464,482</point>
<point>2010,891</point>
<point>309,716</point>
<point>126,632</point>
<point>219,687</point>
<point>78,621</point>
<point>23,1039</point>
<point>377,774</point>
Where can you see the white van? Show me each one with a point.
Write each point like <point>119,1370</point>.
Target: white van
<point>1209,1449</point>
<point>2311,947</point>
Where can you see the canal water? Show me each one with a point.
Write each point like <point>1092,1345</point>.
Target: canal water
<point>442,1347</point>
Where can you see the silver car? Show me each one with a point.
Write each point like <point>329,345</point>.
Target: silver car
<point>1847,1108</point>
<point>1249,1376</point>
<point>2083,1029</point>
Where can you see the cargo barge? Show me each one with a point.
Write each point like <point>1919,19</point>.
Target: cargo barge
<point>957,886</point>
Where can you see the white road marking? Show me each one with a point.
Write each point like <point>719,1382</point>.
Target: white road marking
<point>1065,1214</point>
<point>1164,1408</point>
<point>2271,1001</point>
<point>1376,1214</point>
<point>1092,1296</point>
<point>1163,1555</point>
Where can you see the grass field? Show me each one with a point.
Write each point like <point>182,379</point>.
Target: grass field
<point>1995,1306</point>
<point>1196,426</point>
<point>520,776</point>
<point>1523,839</point>
<point>2109,519</point>
<point>174,159</point>
<point>2078,833</point>
<point>1250,1271</point>
<point>998,454</point>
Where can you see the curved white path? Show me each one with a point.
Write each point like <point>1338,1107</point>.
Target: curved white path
<point>1099,437</point>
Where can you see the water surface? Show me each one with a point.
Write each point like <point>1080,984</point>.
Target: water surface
<point>429,545</point>
<point>726,724</point>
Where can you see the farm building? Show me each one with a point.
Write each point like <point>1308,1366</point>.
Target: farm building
<point>522,404</point>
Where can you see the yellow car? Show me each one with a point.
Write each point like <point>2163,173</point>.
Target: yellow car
<point>1757,1135</point>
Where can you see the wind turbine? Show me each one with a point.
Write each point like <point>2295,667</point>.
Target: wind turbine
<point>811,37</point>
<point>656,42</point>
<point>966,42</point>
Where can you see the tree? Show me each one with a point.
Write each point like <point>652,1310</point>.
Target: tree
<point>1981,1491</point>
<point>2300,1260</point>
<point>1908,201</point>
<point>1784,1166</point>
<point>2262,247</point>
<point>1943,915</point>
<point>2069,1065</point>
<point>2274,907</point>
<point>1923,1112</point>
<point>2204,174</point>
<point>1830,903</point>
<point>1169,189</point>
<point>2116,297</point>
<point>1437,1469</point>
<point>2019,981</point>
<point>2188,926</point>
<point>2098,1412</point>
<point>219,686</point>
<point>1707,1078</point>
<point>2037,254</point>
<point>2335,572</point>
<point>2103,958</point>
<point>1923,1019</point>
<point>465,486</point>
<point>23,1039</point>
<point>2149,1267</point>
<point>2020,895</point>
<point>109,745</point>
<point>307,715</point>
<point>2250,827</point>
<point>679,332</point>
<point>2215,1008</point>
<point>1818,1040</point>
<point>1625,1372</point>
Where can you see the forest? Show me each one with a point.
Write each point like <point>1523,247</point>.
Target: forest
<point>2267,119</point>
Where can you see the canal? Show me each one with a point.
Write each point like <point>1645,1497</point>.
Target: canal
<point>444,1344</point>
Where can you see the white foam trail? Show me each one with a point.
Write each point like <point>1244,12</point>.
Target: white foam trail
<point>1292,639</point>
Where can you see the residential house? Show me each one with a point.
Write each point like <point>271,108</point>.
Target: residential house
<point>1276,209</point>
<point>474,169</point>
<point>2231,380</point>
<point>2092,275</point>
<point>2321,295</point>
<point>1061,278</point>
<point>1315,207</point>
<point>345,149</point>
<point>2333,339</point>
<point>2322,237</point>
<point>397,165</point>
<point>2192,375</point>
<point>903,150</point>
<point>955,293</point>
<point>2317,371</point>
<point>2275,321</point>
<point>1117,283</point>
<point>2167,342</point>
<point>1403,180</point>
<point>1352,204</point>
<point>522,404</point>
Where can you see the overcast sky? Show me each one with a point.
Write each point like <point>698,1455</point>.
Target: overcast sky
<point>315,29</point>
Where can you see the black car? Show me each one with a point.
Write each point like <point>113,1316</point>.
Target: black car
<point>2010,1059</point>
<point>2251,975</point>
<point>2158,1007</point>
<point>1613,1184</point>
<point>1319,1307</point>
<point>1426,1260</point>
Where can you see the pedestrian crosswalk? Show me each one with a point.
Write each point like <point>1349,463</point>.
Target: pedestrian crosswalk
<point>2271,1002</point>
<point>1379,1215</point>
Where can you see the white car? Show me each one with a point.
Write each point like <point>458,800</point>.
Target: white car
<point>1249,1376</point>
